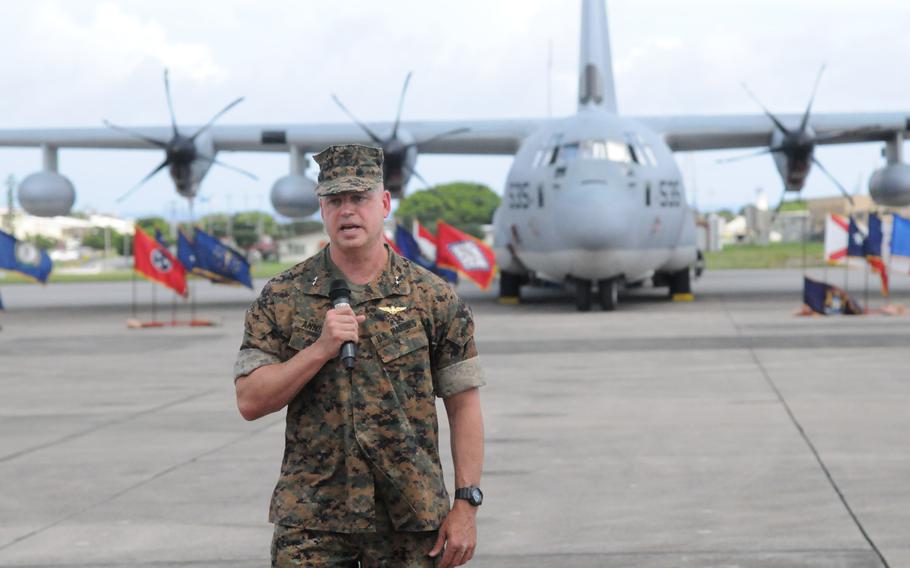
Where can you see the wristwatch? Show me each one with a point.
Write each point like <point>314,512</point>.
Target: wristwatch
<point>472,494</point>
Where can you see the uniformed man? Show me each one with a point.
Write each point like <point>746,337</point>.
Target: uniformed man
<point>361,481</point>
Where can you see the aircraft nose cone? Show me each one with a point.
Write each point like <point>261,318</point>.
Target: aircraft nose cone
<point>594,219</point>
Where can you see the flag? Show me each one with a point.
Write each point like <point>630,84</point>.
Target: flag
<point>900,236</point>
<point>425,240</point>
<point>427,243</point>
<point>157,263</point>
<point>390,243</point>
<point>856,240</point>
<point>466,254</point>
<point>215,258</point>
<point>826,299</point>
<point>24,257</point>
<point>873,249</point>
<point>185,253</point>
<point>410,249</point>
<point>836,231</point>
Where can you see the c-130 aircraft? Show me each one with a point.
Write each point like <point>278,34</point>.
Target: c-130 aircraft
<point>593,201</point>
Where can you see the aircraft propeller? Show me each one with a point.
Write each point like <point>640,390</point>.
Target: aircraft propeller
<point>798,146</point>
<point>394,147</point>
<point>180,151</point>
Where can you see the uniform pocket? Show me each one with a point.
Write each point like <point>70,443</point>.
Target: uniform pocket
<point>304,334</point>
<point>405,359</point>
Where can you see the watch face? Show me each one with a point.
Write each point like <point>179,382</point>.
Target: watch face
<point>476,496</point>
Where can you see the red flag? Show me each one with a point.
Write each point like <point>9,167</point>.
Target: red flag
<point>157,263</point>
<point>466,254</point>
<point>390,242</point>
<point>425,240</point>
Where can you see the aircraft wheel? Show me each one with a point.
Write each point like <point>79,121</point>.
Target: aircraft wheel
<point>509,288</point>
<point>608,291</point>
<point>680,286</point>
<point>583,295</point>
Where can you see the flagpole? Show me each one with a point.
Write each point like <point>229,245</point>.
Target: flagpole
<point>890,256</point>
<point>154,301</point>
<point>192,281</point>
<point>866,289</point>
<point>133,278</point>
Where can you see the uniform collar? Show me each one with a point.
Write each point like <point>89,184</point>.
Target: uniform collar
<point>392,281</point>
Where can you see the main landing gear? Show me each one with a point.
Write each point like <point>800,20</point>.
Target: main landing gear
<point>607,294</point>
<point>510,288</point>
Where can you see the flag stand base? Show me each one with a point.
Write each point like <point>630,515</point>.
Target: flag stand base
<point>138,324</point>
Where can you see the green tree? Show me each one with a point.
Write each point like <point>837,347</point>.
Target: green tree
<point>249,226</point>
<point>465,205</point>
<point>149,224</point>
<point>95,239</point>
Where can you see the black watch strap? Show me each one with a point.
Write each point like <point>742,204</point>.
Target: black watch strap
<point>472,494</point>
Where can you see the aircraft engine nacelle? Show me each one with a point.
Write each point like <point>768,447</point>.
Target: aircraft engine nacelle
<point>295,196</point>
<point>46,194</point>
<point>890,185</point>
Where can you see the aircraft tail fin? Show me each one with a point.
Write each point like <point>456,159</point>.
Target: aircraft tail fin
<point>595,65</point>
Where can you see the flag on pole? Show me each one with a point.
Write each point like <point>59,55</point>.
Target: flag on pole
<point>465,254</point>
<point>836,231</point>
<point>873,249</point>
<point>185,253</point>
<point>826,299</point>
<point>856,240</point>
<point>900,235</point>
<point>157,263</point>
<point>223,262</point>
<point>410,249</point>
<point>425,240</point>
<point>24,257</point>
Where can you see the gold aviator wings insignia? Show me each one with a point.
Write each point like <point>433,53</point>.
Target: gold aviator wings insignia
<point>392,309</point>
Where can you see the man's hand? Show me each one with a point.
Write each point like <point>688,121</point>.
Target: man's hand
<point>340,325</point>
<point>459,535</point>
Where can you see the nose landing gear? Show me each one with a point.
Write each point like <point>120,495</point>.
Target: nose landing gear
<point>607,293</point>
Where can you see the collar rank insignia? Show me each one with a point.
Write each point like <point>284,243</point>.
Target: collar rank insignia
<point>392,309</point>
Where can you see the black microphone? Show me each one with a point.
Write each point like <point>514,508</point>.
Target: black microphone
<point>340,295</point>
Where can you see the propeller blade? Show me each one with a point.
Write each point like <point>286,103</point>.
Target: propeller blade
<point>439,136</point>
<point>362,126</point>
<point>773,118</point>
<point>151,174</point>
<point>134,134</point>
<point>824,170</point>
<point>414,173</point>
<point>228,166</point>
<point>216,117</point>
<point>805,120</point>
<point>747,156</point>
<point>404,90</point>
<point>170,103</point>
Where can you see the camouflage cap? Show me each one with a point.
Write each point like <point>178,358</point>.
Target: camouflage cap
<point>348,167</point>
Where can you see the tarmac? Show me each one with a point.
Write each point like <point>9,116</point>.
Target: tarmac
<point>723,432</point>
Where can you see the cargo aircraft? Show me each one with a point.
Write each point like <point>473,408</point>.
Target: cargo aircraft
<point>593,201</point>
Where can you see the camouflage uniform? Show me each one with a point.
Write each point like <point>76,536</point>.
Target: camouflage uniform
<point>367,439</point>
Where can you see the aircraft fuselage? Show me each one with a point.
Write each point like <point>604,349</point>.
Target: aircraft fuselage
<point>594,197</point>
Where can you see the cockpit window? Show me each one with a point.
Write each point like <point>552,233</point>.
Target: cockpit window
<point>612,150</point>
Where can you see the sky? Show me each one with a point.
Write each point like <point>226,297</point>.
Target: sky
<point>71,64</point>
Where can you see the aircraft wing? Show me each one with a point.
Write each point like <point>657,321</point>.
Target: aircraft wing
<point>688,133</point>
<point>478,137</point>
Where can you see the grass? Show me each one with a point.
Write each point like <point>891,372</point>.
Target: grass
<point>261,270</point>
<point>773,255</point>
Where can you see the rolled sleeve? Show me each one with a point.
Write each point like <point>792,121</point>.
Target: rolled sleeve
<point>459,377</point>
<point>250,359</point>
<point>264,342</point>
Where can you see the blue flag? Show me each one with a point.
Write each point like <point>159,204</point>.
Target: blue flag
<point>856,240</point>
<point>214,257</point>
<point>409,248</point>
<point>873,243</point>
<point>185,253</point>
<point>160,238</point>
<point>24,257</point>
<point>900,236</point>
<point>826,299</point>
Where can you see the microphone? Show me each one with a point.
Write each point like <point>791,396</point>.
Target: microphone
<point>340,295</point>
